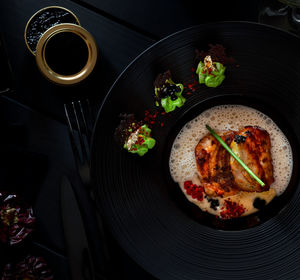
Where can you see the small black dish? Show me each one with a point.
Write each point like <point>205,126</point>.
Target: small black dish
<point>65,52</point>
<point>44,19</point>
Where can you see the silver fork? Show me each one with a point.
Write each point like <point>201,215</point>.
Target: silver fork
<point>80,120</point>
<point>81,112</point>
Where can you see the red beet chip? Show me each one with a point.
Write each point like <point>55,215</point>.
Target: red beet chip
<point>29,268</point>
<point>16,219</point>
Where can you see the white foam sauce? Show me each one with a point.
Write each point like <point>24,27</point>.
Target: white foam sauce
<point>182,159</point>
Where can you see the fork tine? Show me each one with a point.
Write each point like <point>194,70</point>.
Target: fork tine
<point>81,139</point>
<point>72,136</point>
<point>92,116</point>
<point>87,130</point>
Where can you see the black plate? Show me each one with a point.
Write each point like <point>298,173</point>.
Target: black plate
<point>146,213</point>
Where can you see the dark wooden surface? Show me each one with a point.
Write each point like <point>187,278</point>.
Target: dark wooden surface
<point>118,45</point>
<point>158,19</point>
<point>35,150</point>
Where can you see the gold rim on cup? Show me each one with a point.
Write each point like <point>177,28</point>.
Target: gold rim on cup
<point>66,79</point>
<point>39,11</point>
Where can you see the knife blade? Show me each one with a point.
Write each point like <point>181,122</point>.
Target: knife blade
<point>77,246</point>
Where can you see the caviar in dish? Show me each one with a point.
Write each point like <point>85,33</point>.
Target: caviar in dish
<point>43,20</point>
<point>210,73</point>
<point>199,164</point>
<point>16,219</point>
<point>134,136</point>
<point>167,93</point>
<point>30,268</point>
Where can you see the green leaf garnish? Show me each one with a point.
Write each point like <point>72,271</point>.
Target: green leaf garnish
<point>213,78</point>
<point>167,103</point>
<point>143,143</point>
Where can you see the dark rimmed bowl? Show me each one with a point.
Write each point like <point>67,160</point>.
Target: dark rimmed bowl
<point>143,211</point>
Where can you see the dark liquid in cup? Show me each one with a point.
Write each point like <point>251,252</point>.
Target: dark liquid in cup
<point>66,53</point>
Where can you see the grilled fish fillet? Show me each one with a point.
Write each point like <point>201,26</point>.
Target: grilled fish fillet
<point>253,147</point>
<point>222,175</point>
<point>213,163</point>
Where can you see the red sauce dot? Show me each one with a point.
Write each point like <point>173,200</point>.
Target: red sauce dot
<point>197,192</point>
<point>232,210</point>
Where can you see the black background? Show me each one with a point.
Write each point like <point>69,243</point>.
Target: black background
<point>35,150</point>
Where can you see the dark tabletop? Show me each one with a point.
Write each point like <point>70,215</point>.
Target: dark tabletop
<point>35,150</point>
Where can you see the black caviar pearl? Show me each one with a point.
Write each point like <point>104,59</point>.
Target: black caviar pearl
<point>178,89</point>
<point>171,87</point>
<point>214,203</point>
<point>164,93</point>
<point>259,203</point>
<point>173,97</point>
<point>239,139</point>
<point>169,90</point>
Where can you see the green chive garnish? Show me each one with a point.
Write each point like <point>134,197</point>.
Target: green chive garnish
<point>234,155</point>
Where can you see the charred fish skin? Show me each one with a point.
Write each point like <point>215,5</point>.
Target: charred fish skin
<point>255,152</point>
<point>213,165</point>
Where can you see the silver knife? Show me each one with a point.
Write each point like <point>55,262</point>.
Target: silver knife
<point>78,252</point>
